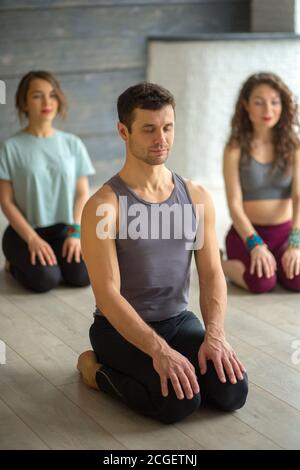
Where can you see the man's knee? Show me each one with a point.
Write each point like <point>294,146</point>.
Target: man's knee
<point>174,410</point>
<point>233,396</point>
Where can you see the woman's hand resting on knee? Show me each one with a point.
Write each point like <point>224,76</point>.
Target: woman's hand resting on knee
<point>40,249</point>
<point>263,262</point>
<point>71,249</point>
<point>291,262</point>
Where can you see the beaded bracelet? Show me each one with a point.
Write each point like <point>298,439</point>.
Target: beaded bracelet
<point>253,241</point>
<point>294,238</point>
<point>74,231</point>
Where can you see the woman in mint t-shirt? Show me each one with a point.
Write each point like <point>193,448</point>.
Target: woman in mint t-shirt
<point>43,189</point>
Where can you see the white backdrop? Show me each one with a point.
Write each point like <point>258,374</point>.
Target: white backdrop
<point>205,77</point>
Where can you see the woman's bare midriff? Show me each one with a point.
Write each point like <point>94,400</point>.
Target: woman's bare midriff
<point>269,212</point>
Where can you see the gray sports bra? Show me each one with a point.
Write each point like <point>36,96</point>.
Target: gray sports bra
<point>258,181</point>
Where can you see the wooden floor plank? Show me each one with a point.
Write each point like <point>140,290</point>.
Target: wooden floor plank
<point>14,434</point>
<point>40,390</point>
<point>269,374</point>
<point>260,334</point>
<point>134,431</point>
<point>56,316</point>
<point>272,417</point>
<point>82,300</point>
<point>280,308</point>
<point>47,411</point>
<point>215,430</point>
<point>44,351</point>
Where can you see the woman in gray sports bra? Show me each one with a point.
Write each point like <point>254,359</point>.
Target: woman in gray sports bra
<point>262,180</point>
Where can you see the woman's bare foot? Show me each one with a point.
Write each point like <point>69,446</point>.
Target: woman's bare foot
<point>234,271</point>
<point>87,365</point>
<point>7,266</point>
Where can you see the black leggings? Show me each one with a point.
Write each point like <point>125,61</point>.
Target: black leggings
<point>128,374</point>
<point>40,278</point>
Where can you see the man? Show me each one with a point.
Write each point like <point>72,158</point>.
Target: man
<point>149,351</point>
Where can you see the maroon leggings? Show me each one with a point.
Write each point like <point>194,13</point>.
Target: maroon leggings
<point>276,237</point>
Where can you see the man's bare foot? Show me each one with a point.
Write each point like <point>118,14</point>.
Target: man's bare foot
<point>87,365</point>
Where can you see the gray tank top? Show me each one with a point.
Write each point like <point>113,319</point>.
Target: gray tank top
<point>155,271</point>
<point>258,181</point>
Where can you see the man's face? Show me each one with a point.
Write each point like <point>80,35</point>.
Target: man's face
<point>152,135</point>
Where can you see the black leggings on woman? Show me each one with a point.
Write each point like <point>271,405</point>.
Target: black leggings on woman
<point>40,278</point>
<point>128,374</point>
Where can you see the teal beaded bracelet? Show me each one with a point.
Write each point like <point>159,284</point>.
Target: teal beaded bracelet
<point>74,231</point>
<point>294,238</point>
<point>253,241</point>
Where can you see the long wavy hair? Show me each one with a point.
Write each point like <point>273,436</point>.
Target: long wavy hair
<point>285,132</point>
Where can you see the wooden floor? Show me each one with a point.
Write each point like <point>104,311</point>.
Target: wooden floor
<point>43,404</point>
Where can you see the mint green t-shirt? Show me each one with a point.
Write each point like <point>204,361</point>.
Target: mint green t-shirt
<point>43,172</point>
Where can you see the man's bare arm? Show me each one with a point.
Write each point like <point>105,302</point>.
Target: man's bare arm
<point>213,296</point>
<point>212,284</point>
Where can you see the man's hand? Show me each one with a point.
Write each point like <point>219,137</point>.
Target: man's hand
<point>291,262</point>
<point>216,349</point>
<point>71,248</point>
<point>171,365</point>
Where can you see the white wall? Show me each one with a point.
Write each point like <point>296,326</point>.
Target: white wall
<point>297,16</point>
<point>205,77</point>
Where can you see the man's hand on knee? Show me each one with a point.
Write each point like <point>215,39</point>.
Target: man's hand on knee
<point>219,351</point>
<point>173,366</point>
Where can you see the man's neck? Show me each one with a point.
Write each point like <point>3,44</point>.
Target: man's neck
<point>146,177</point>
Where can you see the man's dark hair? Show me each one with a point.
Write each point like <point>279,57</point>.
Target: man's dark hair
<point>143,96</point>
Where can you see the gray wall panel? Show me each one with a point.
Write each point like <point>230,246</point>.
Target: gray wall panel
<point>108,155</point>
<point>93,99</point>
<point>29,4</point>
<point>119,21</point>
<point>97,48</point>
<point>92,102</point>
<point>71,55</point>
<point>99,38</point>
